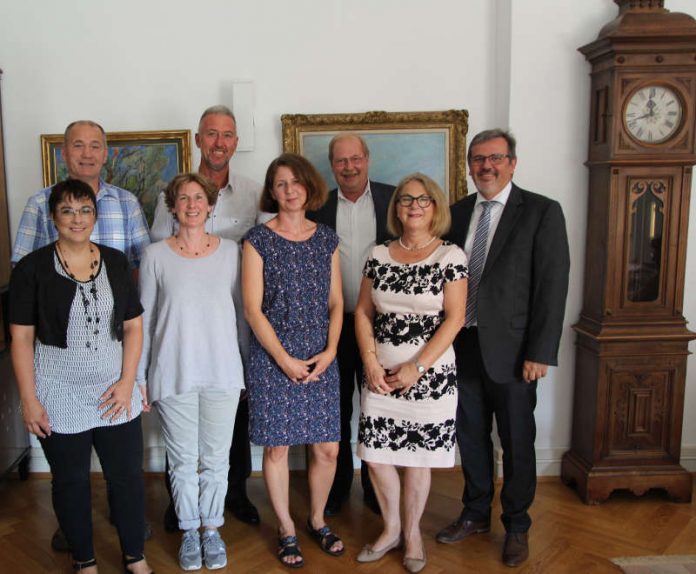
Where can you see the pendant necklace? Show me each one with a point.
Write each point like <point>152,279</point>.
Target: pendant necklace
<point>91,318</point>
<point>195,253</point>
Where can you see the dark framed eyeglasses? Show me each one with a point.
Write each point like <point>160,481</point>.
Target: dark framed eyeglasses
<point>85,211</point>
<point>494,158</point>
<point>346,161</point>
<point>422,200</point>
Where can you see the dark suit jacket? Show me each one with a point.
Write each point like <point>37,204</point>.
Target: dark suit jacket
<point>381,194</point>
<point>523,288</point>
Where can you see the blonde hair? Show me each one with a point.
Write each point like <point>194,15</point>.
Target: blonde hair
<point>441,218</point>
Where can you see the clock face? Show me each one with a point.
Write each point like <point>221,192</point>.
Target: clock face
<point>653,114</point>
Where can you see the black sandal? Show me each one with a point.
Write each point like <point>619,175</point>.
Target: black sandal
<point>77,566</point>
<point>325,538</point>
<point>287,547</point>
<point>132,560</point>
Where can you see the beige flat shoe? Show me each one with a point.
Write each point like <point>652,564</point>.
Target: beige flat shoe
<point>367,554</point>
<point>415,564</point>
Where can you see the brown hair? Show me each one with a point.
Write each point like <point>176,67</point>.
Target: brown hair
<point>441,218</point>
<point>305,173</point>
<point>211,191</point>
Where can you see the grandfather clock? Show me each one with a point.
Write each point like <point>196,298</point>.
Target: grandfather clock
<point>632,340</point>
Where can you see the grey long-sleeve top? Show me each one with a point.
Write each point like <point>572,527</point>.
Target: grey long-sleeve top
<point>190,323</point>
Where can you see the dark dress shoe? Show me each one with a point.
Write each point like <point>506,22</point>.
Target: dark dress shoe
<point>171,521</point>
<point>58,541</point>
<point>242,509</point>
<point>332,508</point>
<point>462,528</point>
<point>515,549</point>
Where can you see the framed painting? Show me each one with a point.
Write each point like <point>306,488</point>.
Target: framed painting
<point>400,143</point>
<point>141,162</point>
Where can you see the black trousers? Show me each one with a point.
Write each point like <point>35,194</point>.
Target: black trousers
<point>120,451</point>
<point>240,458</point>
<point>350,370</point>
<point>240,455</point>
<point>513,404</point>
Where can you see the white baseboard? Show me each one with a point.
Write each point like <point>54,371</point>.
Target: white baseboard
<point>548,459</point>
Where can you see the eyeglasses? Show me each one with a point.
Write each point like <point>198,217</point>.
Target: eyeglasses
<point>354,159</point>
<point>422,200</point>
<point>494,158</point>
<point>68,212</point>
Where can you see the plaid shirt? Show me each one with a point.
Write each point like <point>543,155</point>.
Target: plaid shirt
<point>120,224</point>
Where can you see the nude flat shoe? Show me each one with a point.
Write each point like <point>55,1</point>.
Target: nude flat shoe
<point>415,564</point>
<point>367,554</point>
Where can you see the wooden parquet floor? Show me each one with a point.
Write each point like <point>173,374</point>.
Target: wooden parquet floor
<point>567,536</point>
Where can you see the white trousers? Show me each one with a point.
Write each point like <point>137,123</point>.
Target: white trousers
<point>197,429</point>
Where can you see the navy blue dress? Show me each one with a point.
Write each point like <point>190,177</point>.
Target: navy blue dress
<point>296,279</point>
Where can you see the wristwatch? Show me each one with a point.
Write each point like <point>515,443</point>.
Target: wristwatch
<point>421,369</point>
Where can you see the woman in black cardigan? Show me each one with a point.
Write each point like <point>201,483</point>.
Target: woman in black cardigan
<point>76,327</point>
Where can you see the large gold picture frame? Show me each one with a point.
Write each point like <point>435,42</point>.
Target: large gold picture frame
<point>400,143</point>
<point>141,162</point>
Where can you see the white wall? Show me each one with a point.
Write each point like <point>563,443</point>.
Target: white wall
<point>136,65</point>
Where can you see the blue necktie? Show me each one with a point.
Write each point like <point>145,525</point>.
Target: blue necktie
<point>477,261</point>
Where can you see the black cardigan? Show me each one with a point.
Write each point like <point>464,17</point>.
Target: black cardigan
<point>41,297</point>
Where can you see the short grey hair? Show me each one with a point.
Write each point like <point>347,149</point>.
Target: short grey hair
<point>217,110</point>
<point>495,133</point>
<point>83,123</point>
<point>344,136</point>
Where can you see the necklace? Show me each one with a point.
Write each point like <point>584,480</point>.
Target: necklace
<point>196,253</point>
<point>90,311</point>
<point>417,247</point>
<point>92,266</point>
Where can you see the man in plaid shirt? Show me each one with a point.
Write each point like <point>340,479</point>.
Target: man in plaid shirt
<point>120,224</point>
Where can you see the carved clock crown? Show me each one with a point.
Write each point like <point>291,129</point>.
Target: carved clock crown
<point>647,5</point>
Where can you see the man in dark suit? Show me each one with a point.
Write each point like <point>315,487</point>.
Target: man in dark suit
<point>518,281</point>
<point>357,211</point>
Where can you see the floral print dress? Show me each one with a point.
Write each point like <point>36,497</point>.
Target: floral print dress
<point>296,286</point>
<point>416,428</point>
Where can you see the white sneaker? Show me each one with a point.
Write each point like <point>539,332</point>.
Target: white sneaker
<point>190,551</point>
<point>214,552</point>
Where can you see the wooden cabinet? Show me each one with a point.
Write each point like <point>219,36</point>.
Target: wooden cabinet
<point>14,439</point>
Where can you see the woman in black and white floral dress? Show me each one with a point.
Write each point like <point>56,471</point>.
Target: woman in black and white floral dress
<point>412,304</point>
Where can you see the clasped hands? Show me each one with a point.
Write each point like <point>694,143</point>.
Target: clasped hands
<point>308,370</point>
<point>385,381</point>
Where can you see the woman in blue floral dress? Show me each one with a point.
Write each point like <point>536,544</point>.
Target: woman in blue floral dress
<point>412,304</point>
<point>291,285</point>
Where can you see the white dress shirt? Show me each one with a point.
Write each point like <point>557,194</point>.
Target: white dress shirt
<point>356,227</point>
<point>497,207</point>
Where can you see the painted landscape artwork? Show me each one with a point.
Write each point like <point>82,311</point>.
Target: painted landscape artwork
<point>139,162</point>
